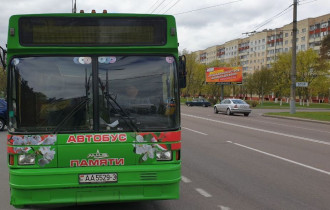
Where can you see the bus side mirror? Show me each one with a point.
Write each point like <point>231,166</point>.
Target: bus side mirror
<point>3,53</point>
<point>182,72</point>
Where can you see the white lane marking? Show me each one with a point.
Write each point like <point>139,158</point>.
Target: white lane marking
<point>195,131</point>
<point>223,207</point>
<point>281,158</point>
<point>203,192</point>
<point>262,130</point>
<point>185,179</point>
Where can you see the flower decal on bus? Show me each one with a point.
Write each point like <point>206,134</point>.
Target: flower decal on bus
<point>143,145</point>
<point>32,140</point>
<point>47,155</point>
<point>145,150</point>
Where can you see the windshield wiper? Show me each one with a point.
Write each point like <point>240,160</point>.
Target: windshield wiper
<point>72,112</point>
<point>124,115</point>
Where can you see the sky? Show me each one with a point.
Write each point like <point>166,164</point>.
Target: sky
<point>200,23</point>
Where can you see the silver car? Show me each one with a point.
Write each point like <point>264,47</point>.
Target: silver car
<point>232,106</point>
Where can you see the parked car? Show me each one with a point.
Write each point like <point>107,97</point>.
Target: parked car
<point>233,106</point>
<point>198,102</point>
<point>3,114</point>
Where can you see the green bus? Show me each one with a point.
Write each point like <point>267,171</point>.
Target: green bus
<point>93,108</point>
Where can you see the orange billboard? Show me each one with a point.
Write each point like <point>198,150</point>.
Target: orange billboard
<point>224,75</point>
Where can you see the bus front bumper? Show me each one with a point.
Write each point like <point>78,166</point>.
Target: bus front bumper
<point>60,186</point>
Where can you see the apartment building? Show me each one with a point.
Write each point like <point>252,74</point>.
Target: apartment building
<point>262,48</point>
<point>258,50</point>
<point>243,53</point>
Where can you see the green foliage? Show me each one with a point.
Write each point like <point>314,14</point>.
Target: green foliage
<point>252,103</point>
<point>3,83</point>
<point>310,67</point>
<point>323,116</point>
<point>281,75</point>
<point>325,48</point>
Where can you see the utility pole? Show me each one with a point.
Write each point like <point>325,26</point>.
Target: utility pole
<point>74,6</point>
<point>293,68</point>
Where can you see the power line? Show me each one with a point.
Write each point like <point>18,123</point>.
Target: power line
<point>306,2</point>
<point>158,6</point>
<point>153,5</point>
<point>172,6</point>
<point>207,7</point>
<point>274,17</point>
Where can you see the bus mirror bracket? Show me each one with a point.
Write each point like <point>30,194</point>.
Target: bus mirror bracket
<point>182,71</point>
<point>3,54</point>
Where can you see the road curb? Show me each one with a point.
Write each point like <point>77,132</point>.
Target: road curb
<point>296,118</point>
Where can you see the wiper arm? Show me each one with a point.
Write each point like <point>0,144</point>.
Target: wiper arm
<point>73,111</point>
<point>124,115</point>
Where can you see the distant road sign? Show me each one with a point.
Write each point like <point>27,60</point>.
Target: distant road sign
<point>301,84</point>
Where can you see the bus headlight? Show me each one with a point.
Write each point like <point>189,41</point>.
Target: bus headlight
<point>27,159</point>
<point>164,155</point>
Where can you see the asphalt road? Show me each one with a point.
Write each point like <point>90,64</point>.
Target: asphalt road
<point>237,162</point>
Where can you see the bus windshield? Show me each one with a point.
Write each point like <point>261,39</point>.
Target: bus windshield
<point>55,94</point>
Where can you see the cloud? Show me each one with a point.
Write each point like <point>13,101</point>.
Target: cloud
<point>197,30</point>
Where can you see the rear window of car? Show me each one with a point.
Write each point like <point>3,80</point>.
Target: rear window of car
<point>238,102</point>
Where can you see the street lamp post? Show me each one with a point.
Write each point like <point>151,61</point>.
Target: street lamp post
<point>294,52</point>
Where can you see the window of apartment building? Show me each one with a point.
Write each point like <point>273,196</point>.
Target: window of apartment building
<point>324,25</point>
<point>297,40</point>
<point>302,47</point>
<point>286,50</point>
<point>263,47</point>
<point>286,34</point>
<point>303,30</point>
<point>303,38</point>
<point>263,40</point>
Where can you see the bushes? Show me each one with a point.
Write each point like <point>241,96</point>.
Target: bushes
<point>252,103</point>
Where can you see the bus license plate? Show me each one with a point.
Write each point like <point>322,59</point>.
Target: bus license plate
<point>97,178</point>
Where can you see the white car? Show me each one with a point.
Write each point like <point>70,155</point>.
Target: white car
<point>232,106</point>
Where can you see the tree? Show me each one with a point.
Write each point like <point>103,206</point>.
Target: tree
<point>263,82</point>
<point>325,48</point>
<point>281,75</point>
<point>311,69</point>
<point>195,75</point>
<point>3,83</point>
<point>249,84</point>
